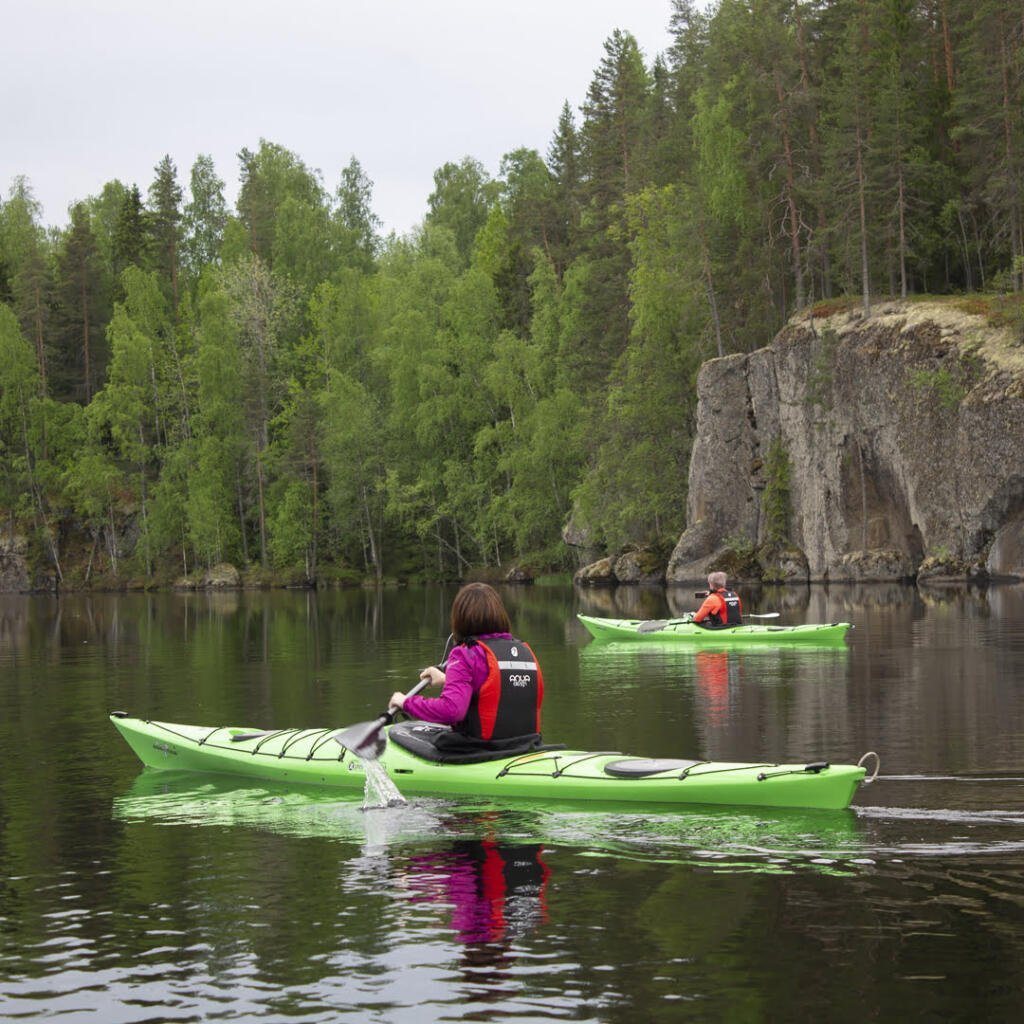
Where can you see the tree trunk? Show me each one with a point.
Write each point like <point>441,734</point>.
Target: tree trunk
<point>85,342</point>
<point>374,557</point>
<point>709,285</point>
<point>313,539</point>
<point>901,206</point>
<point>241,517</point>
<point>862,199</point>
<point>261,509</point>
<point>793,212</point>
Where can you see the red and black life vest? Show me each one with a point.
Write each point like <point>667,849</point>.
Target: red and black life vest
<point>733,612</point>
<point>508,703</point>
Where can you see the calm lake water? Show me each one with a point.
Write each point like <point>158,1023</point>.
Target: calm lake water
<point>142,897</point>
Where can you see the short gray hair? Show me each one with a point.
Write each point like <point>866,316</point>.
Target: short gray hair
<point>716,580</point>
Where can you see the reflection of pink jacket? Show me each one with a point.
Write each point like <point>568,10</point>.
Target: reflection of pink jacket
<point>478,881</point>
<point>465,674</point>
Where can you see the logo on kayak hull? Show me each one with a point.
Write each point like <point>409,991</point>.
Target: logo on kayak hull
<point>166,749</point>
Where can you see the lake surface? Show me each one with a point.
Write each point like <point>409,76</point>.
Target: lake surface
<point>140,897</point>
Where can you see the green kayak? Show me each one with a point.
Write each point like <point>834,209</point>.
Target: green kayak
<point>312,756</point>
<point>812,635</point>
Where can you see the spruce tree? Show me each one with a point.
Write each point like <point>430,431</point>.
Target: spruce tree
<point>165,229</point>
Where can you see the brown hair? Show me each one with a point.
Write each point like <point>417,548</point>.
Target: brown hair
<point>476,610</point>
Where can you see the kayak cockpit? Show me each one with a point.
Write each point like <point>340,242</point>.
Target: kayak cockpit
<point>442,745</point>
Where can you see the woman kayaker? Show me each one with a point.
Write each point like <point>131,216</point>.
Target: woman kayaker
<point>492,687</point>
<point>721,607</point>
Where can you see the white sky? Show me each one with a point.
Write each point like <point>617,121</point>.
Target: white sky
<point>92,90</point>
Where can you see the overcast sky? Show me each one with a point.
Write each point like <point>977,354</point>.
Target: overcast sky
<point>100,89</point>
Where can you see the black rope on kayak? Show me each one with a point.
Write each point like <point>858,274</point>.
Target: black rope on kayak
<point>814,768</point>
<point>270,736</point>
<point>212,732</point>
<point>181,735</point>
<point>289,743</point>
<point>685,773</point>
<point>558,772</point>
<point>328,735</point>
<point>579,760</point>
<point>532,758</point>
<point>724,771</point>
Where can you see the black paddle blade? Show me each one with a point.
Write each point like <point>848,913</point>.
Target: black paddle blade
<point>365,739</point>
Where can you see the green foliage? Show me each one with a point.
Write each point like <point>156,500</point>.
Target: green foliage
<point>775,498</point>
<point>939,386</point>
<point>821,372</point>
<point>460,202</point>
<point>739,559</point>
<point>274,383</point>
<point>205,217</point>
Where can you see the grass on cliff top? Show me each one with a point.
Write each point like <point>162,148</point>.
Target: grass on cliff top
<point>1002,344</point>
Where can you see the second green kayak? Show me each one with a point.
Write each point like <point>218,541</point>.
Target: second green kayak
<point>812,634</point>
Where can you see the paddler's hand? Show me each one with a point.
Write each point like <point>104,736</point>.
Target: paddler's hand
<point>397,700</point>
<point>434,674</point>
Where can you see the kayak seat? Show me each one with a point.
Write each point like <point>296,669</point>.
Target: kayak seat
<point>639,767</point>
<point>441,744</point>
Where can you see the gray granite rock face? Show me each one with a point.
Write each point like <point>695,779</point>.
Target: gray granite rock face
<point>905,438</point>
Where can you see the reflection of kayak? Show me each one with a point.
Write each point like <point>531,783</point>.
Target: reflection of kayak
<point>749,837</point>
<point>310,756</point>
<point>811,634</point>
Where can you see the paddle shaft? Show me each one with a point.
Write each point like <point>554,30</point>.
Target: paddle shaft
<point>746,615</point>
<point>364,738</point>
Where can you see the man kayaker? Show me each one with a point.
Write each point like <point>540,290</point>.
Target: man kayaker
<point>492,687</point>
<point>721,607</point>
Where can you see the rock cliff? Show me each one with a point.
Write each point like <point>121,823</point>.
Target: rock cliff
<point>904,434</point>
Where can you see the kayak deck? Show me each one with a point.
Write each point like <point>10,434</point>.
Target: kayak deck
<point>311,756</point>
<point>809,634</point>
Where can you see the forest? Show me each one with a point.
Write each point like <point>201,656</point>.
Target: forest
<point>280,386</point>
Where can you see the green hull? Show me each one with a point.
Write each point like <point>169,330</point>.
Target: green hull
<point>311,757</point>
<point>811,635</point>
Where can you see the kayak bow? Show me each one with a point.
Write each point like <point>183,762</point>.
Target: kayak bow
<point>310,756</point>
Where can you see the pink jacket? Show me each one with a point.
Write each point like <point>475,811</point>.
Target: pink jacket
<point>465,674</point>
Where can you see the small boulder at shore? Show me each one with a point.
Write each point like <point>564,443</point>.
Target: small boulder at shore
<point>223,576</point>
<point>637,566</point>
<point>519,574</point>
<point>597,574</point>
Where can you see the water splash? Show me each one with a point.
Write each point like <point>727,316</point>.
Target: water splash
<point>379,791</point>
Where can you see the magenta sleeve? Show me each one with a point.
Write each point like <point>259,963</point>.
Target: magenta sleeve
<point>457,692</point>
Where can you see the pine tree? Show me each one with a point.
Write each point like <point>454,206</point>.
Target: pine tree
<point>165,229</point>
<point>564,162</point>
<point>613,142</point>
<point>130,234</point>
<point>988,108</point>
<point>81,313</point>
